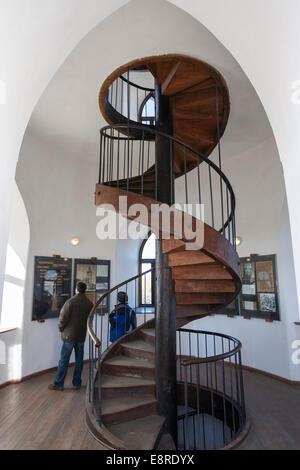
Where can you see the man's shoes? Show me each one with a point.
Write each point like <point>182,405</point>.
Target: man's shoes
<point>76,388</point>
<point>54,387</point>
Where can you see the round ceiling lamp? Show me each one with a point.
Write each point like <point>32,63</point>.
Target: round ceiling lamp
<point>75,241</point>
<point>238,241</point>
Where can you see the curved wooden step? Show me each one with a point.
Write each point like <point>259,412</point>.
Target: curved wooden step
<point>139,434</point>
<point>128,392</point>
<point>205,286</point>
<point>115,386</point>
<point>191,86</point>
<point>139,350</point>
<point>210,276</point>
<point>214,271</point>
<point>128,367</point>
<point>129,407</point>
<point>149,335</point>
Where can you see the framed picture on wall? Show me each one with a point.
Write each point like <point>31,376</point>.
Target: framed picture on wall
<point>96,275</point>
<point>259,295</point>
<point>52,286</point>
<point>265,276</point>
<point>267,302</point>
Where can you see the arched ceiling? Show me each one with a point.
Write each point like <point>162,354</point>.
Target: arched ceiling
<point>67,113</point>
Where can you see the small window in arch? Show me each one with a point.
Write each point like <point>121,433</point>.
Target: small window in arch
<point>146,262</point>
<point>147,110</point>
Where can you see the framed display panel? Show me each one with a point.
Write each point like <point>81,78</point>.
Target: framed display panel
<point>258,297</point>
<point>52,286</point>
<point>259,294</point>
<point>96,275</point>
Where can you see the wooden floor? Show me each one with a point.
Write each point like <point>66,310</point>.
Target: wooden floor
<point>274,410</point>
<point>33,417</point>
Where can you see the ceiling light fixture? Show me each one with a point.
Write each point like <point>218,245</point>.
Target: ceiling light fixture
<point>75,241</point>
<point>238,241</point>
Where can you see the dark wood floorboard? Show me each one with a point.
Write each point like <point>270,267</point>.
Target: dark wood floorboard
<point>274,410</point>
<point>33,417</point>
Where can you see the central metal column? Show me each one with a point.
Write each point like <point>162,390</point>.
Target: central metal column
<point>165,350</point>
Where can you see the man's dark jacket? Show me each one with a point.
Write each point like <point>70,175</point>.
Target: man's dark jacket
<point>73,319</point>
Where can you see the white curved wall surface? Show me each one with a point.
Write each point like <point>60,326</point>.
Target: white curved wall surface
<point>36,37</point>
<point>13,293</point>
<point>264,38</point>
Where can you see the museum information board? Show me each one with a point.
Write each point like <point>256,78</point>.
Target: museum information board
<point>52,286</point>
<point>259,294</point>
<point>96,275</point>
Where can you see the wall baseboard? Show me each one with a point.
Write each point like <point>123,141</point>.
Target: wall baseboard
<point>248,368</point>
<point>36,374</point>
<point>271,376</point>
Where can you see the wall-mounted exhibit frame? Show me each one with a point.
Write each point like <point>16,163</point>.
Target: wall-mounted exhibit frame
<point>259,296</point>
<point>96,275</point>
<point>52,286</point>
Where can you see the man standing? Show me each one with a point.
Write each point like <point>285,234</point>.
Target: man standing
<point>73,326</point>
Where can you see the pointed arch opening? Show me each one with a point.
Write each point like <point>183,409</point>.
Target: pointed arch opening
<point>147,258</point>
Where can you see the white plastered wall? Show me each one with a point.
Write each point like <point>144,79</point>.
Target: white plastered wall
<point>13,292</point>
<point>37,37</point>
<point>59,207</point>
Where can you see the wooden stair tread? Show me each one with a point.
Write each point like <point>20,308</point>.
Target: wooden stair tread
<point>191,86</point>
<point>189,312</point>
<point>139,434</point>
<point>192,115</point>
<point>161,73</point>
<point>149,331</point>
<point>124,403</point>
<point>172,245</point>
<point>110,381</point>
<point>128,362</point>
<point>189,257</point>
<point>195,97</point>
<point>139,345</point>
<point>201,271</point>
<point>204,285</point>
<point>127,408</point>
<point>195,298</point>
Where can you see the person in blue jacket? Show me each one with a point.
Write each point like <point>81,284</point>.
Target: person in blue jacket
<point>122,318</point>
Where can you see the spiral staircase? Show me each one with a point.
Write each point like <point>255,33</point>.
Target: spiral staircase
<point>205,279</point>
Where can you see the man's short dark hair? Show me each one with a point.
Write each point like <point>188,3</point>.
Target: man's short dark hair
<point>81,287</point>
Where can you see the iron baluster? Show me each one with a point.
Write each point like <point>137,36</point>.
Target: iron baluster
<point>219,153</point>
<point>228,227</point>
<point>185,178</point>
<point>100,159</point>
<point>212,405</point>
<point>211,198</point>
<point>117,89</point>
<point>99,390</point>
<point>142,177</point>
<point>186,434</point>
<point>118,162</point>
<point>242,386</point>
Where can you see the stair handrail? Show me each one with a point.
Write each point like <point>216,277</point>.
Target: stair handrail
<point>135,85</point>
<point>216,357</point>
<point>210,381</point>
<point>201,158</point>
<point>90,329</point>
